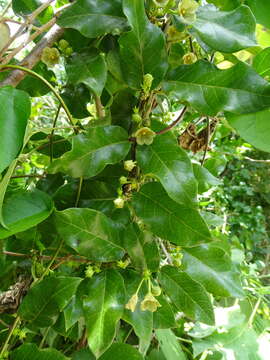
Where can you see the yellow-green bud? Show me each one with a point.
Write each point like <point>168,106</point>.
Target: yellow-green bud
<point>129,165</point>
<point>150,303</point>
<point>123,180</point>
<point>136,118</point>
<point>63,44</point>
<point>189,58</point>
<point>119,203</point>
<point>147,83</point>
<point>4,35</point>
<point>156,290</point>
<point>50,56</point>
<point>187,10</point>
<point>132,303</point>
<point>68,51</point>
<point>123,264</point>
<point>145,136</point>
<point>89,272</point>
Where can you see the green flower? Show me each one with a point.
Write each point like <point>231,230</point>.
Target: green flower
<point>145,136</point>
<point>150,303</point>
<point>174,35</point>
<point>89,272</point>
<point>187,10</point>
<point>132,303</point>
<point>129,165</point>
<point>119,203</point>
<point>50,56</point>
<point>189,58</point>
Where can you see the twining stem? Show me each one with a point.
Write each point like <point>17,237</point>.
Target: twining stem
<point>174,123</point>
<point>79,191</point>
<point>99,107</point>
<point>5,346</point>
<point>46,257</point>
<point>52,132</point>
<point>46,271</point>
<point>41,78</point>
<point>207,141</point>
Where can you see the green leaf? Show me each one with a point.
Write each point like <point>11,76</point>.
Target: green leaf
<point>170,345</point>
<point>164,317</point>
<point>89,68</point>
<point>3,188</point>
<point>46,299</point>
<point>204,178</point>
<point>187,295</point>
<point>76,99</point>
<point>24,210</point>
<point>253,128</point>
<point>225,5</point>
<point>141,321</point>
<point>15,111</point>
<point>121,352</point>
<point>226,31</point>
<point>26,7</point>
<point>103,304</point>
<point>31,351</point>
<point>239,90</point>
<point>94,18</point>
<point>141,248</point>
<point>261,10</point>
<point>143,48</point>
<point>90,233</point>
<point>261,63</point>
<point>83,354</point>
<point>171,221</point>
<point>167,162</point>
<point>212,267</point>
<point>92,152</point>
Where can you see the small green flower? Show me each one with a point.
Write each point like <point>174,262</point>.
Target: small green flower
<point>145,136</point>
<point>129,165</point>
<point>123,180</point>
<point>50,56</point>
<point>187,10</point>
<point>189,58</point>
<point>89,272</point>
<point>119,203</point>
<point>132,303</point>
<point>150,303</point>
<point>123,264</point>
<point>174,35</point>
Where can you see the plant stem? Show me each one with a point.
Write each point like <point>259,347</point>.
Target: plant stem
<point>207,141</point>
<point>79,192</point>
<point>6,343</point>
<point>52,132</point>
<point>174,123</point>
<point>168,256</point>
<point>34,74</point>
<point>99,107</point>
<point>254,311</point>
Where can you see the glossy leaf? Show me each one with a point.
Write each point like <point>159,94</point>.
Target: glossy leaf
<point>164,317</point>
<point>212,267</point>
<point>167,162</point>
<point>142,49</point>
<point>83,354</point>
<point>103,304</point>
<point>31,351</point>
<point>169,345</point>
<point>94,18</point>
<point>89,68</point>
<point>24,210</point>
<point>253,128</point>
<point>90,233</point>
<point>121,351</point>
<point>204,178</point>
<point>226,31</point>
<point>142,249</point>
<point>15,111</point>
<point>261,10</point>
<point>92,152</point>
<point>44,301</point>
<point>261,63</point>
<point>210,90</point>
<point>171,221</point>
<point>187,295</point>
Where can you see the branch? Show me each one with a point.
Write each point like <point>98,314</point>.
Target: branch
<point>173,124</point>
<point>16,76</point>
<point>259,161</point>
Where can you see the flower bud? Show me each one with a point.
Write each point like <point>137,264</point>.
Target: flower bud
<point>150,303</point>
<point>63,44</point>
<point>156,290</point>
<point>187,10</point>
<point>145,136</point>
<point>89,272</point>
<point>68,51</point>
<point>123,180</point>
<point>119,203</point>
<point>129,165</point>
<point>189,58</point>
<point>136,118</point>
<point>132,303</point>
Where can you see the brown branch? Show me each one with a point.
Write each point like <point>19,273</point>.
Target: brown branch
<point>16,76</point>
<point>259,161</point>
<point>174,123</point>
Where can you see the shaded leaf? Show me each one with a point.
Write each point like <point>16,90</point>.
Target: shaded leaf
<point>171,221</point>
<point>187,295</point>
<point>121,352</point>
<point>169,345</point>
<point>261,10</point>
<point>164,317</point>
<point>204,178</point>
<point>239,90</point>
<point>142,49</point>
<point>15,111</point>
<point>103,304</point>
<point>92,152</point>
<point>44,301</point>
<point>94,18</point>
<point>165,160</point>
<point>24,210</point>
<point>31,351</point>
<point>90,233</point>
<point>226,31</point>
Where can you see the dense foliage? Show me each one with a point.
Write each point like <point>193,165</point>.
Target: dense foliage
<point>134,189</point>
